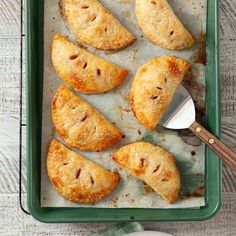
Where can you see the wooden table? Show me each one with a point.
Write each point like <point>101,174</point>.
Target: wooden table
<point>14,222</point>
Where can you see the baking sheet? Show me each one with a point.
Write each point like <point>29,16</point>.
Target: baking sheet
<point>188,150</point>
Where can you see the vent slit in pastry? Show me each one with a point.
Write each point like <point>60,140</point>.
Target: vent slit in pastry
<point>161,26</point>
<point>78,173</point>
<point>84,7</point>
<point>90,21</point>
<point>157,169</point>
<point>98,72</point>
<point>80,181</point>
<point>85,65</point>
<point>153,88</point>
<point>79,68</point>
<point>73,57</point>
<point>142,160</point>
<point>92,180</point>
<point>80,125</point>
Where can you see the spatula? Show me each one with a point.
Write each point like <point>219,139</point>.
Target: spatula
<point>181,115</point>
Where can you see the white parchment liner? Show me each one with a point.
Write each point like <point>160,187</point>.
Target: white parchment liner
<point>114,105</point>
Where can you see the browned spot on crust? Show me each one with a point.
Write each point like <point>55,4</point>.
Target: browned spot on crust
<point>55,181</point>
<point>173,68</point>
<point>166,176</point>
<point>54,104</point>
<point>143,70</point>
<point>110,140</point>
<point>122,74</point>
<point>61,9</point>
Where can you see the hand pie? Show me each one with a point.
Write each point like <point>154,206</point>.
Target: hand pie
<point>95,25</point>
<point>77,178</point>
<point>152,164</point>
<point>79,124</point>
<point>154,86</point>
<point>161,26</point>
<point>82,70</point>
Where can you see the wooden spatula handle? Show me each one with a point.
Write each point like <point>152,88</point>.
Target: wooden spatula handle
<point>222,151</point>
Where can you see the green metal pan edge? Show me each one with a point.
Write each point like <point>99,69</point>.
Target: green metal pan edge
<point>34,75</point>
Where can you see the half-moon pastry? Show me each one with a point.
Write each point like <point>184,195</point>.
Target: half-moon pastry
<point>154,86</point>
<point>152,164</point>
<point>95,25</point>
<point>77,178</point>
<point>161,26</point>
<point>82,70</point>
<point>80,125</point>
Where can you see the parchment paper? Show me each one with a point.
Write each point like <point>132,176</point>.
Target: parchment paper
<point>188,151</point>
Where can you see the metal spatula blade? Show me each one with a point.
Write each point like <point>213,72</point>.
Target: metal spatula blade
<point>181,115</point>
<point>181,111</point>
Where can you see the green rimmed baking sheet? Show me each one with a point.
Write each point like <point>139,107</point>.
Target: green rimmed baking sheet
<point>212,103</point>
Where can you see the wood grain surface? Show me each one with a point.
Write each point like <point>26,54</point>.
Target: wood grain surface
<point>14,222</point>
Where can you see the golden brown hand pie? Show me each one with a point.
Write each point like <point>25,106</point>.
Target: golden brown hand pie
<point>95,25</point>
<point>152,164</point>
<point>161,26</point>
<point>154,86</point>
<point>79,124</point>
<point>82,70</point>
<point>77,178</point>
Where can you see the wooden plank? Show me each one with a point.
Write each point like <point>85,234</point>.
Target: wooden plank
<point>228,84</point>
<point>9,155</point>
<point>9,164</point>
<point>227,19</point>
<point>228,136</point>
<point>228,60</point>
<point>10,18</point>
<point>228,77</point>
<point>10,63</point>
<point>15,222</point>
